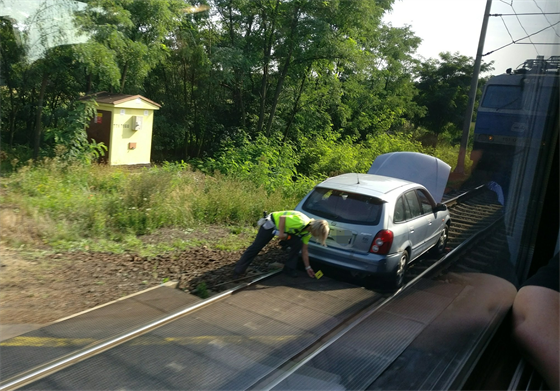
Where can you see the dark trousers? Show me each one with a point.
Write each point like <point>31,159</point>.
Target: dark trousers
<point>263,237</point>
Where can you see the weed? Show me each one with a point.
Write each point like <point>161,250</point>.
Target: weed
<point>201,291</point>
<point>234,242</point>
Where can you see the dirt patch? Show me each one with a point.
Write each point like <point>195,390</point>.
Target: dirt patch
<point>54,286</point>
<point>21,228</point>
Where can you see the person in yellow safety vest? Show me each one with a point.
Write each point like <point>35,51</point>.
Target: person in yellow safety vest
<point>296,229</point>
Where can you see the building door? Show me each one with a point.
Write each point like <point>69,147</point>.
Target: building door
<point>100,130</point>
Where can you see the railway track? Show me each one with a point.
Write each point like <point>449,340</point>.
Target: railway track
<point>476,243</point>
<point>476,239</point>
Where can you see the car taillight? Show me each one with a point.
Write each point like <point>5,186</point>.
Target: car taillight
<point>382,242</point>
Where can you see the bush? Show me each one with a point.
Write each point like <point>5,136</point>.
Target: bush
<point>12,158</point>
<point>267,163</point>
<point>330,155</point>
<point>449,153</point>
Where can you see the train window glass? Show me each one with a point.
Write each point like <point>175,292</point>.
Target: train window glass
<point>220,85</point>
<point>514,150</point>
<point>546,101</point>
<point>503,97</point>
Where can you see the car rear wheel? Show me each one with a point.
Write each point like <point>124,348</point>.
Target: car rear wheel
<point>439,248</point>
<point>398,278</point>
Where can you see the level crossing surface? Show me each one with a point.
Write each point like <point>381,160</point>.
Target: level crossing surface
<point>229,344</point>
<point>302,334</point>
<point>24,352</point>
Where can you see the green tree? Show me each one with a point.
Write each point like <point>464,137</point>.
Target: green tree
<point>38,65</point>
<point>133,35</point>
<point>12,60</point>
<point>378,92</point>
<point>37,91</point>
<point>443,86</point>
<point>281,67</point>
<point>286,41</point>
<point>188,85</point>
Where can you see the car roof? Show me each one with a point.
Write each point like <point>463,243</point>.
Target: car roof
<point>373,185</point>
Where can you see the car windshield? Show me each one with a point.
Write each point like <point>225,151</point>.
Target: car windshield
<point>344,207</point>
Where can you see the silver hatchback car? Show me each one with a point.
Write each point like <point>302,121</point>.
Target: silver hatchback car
<point>378,224</point>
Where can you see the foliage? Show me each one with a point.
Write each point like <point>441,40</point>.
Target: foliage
<point>11,158</point>
<point>334,155</point>
<point>267,162</point>
<point>129,35</point>
<point>104,208</point>
<point>283,69</point>
<point>443,90</point>
<point>202,291</point>
<point>448,153</point>
<point>70,137</point>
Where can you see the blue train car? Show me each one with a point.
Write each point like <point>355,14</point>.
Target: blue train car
<point>515,107</point>
<point>516,112</point>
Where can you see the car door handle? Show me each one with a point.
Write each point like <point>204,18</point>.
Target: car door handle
<point>411,229</point>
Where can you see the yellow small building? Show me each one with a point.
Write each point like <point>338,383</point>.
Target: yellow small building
<point>124,124</point>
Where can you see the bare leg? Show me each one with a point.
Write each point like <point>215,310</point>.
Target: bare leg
<point>536,329</point>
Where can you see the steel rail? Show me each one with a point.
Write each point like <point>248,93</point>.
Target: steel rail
<point>462,195</point>
<point>43,370</point>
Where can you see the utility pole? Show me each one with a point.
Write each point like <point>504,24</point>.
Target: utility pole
<point>460,169</point>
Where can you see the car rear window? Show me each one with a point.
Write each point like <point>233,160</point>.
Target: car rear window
<point>343,206</point>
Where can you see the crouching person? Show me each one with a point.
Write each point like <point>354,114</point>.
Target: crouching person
<point>296,229</point>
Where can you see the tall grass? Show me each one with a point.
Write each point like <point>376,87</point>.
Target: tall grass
<point>109,203</point>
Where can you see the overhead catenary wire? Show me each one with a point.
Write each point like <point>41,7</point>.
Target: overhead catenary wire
<point>517,41</point>
<point>516,14</point>
<point>528,14</point>
<point>505,25</point>
<point>523,27</point>
<point>539,7</point>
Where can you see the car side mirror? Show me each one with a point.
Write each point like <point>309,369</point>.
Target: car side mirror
<point>440,207</point>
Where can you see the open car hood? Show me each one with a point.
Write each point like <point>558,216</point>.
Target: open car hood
<point>429,171</point>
